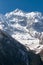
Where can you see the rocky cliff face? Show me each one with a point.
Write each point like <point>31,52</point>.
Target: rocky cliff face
<point>14,53</point>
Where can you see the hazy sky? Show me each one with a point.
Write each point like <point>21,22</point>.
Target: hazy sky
<point>25,5</point>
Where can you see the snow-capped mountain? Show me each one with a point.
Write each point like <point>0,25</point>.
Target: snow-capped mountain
<point>25,27</point>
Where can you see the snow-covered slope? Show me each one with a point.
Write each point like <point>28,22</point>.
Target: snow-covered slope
<point>25,27</point>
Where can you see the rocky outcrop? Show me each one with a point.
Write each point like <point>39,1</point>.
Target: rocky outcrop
<point>14,53</point>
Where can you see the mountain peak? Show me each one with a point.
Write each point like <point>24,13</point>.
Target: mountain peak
<point>17,10</point>
<point>27,28</point>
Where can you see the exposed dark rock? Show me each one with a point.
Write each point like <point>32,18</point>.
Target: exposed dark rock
<point>14,53</point>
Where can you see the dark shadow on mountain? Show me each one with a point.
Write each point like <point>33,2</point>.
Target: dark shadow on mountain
<point>38,26</point>
<point>14,53</point>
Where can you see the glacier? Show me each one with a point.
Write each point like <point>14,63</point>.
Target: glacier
<point>25,27</point>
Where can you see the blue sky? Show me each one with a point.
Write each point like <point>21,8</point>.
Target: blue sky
<point>25,5</point>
